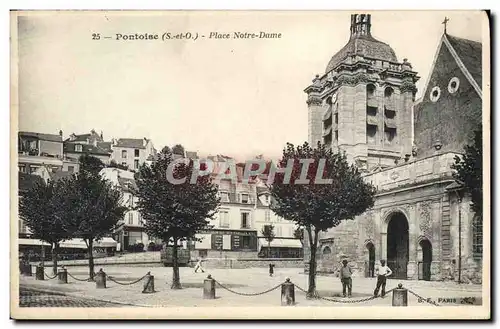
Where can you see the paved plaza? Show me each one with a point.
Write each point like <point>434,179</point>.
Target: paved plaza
<point>241,282</point>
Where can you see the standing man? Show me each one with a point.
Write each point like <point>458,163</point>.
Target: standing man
<point>345,278</point>
<point>382,273</point>
<point>198,266</point>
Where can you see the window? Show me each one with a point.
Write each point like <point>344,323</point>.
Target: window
<point>71,169</point>
<point>278,231</point>
<point>244,198</point>
<point>136,164</point>
<point>224,218</point>
<point>131,201</point>
<point>136,153</point>
<point>371,132</point>
<point>224,196</point>
<point>477,237</point>
<point>22,168</point>
<point>267,215</point>
<point>245,220</point>
<point>78,148</point>
<point>130,218</point>
<point>267,198</point>
<point>435,93</point>
<point>453,85</point>
<point>327,250</point>
<point>124,154</point>
<point>33,169</point>
<point>22,227</point>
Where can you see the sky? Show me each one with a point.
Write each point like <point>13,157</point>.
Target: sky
<point>214,96</point>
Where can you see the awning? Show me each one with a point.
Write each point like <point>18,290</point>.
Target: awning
<point>281,243</point>
<point>73,243</point>
<point>327,115</point>
<point>32,242</point>
<point>390,123</point>
<point>371,120</point>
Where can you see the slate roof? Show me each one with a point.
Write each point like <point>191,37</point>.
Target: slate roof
<point>106,146</point>
<point>470,53</point>
<point>45,137</point>
<point>86,149</point>
<point>367,46</point>
<point>131,143</point>
<point>27,181</point>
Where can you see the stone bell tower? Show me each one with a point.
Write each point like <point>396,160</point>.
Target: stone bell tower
<point>363,102</point>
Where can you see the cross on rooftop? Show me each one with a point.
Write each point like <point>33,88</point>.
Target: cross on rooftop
<point>445,22</point>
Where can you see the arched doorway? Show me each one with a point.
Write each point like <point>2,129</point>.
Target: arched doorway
<point>370,265</point>
<point>425,264</point>
<point>398,245</point>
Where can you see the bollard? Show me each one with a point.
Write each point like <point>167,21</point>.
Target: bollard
<point>62,275</point>
<point>100,279</point>
<point>149,284</point>
<point>40,275</point>
<point>209,288</point>
<point>287,293</point>
<point>400,296</point>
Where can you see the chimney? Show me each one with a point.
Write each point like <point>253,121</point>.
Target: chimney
<point>360,25</point>
<point>60,133</point>
<point>145,142</point>
<point>102,138</point>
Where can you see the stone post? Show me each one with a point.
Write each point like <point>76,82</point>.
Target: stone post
<point>209,288</point>
<point>100,279</point>
<point>40,274</point>
<point>400,296</point>
<point>62,275</point>
<point>287,293</point>
<point>149,284</point>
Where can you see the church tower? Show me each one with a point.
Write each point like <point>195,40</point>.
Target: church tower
<point>363,102</point>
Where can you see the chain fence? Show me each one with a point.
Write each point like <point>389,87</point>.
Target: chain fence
<point>128,283</point>
<point>48,276</point>
<point>81,280</point>
<point>247,294</point>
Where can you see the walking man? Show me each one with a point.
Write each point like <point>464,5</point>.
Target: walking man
<point>382,272</point>
<point>271,269</point>
<point>345,278</point>
<point>198,266</point>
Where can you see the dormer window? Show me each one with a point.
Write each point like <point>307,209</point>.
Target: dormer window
<point>78,148</point>
<point>224,196</point>
<point>267,198</point>
<point>244,198</point>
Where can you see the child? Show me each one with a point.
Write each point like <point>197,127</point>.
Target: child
<point>271,269</point>
<point>345,278</point>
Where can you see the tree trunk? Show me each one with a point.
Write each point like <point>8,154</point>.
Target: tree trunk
<point>176,282</point>
<point>91,259</point>
<point>313,243</point>
<point>269,249</point>
<point>55,249</point>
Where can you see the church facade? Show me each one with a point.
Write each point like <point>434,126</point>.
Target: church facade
<point>364,104</point>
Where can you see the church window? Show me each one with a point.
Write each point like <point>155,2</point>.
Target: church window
<point>371,132</point>
<point>453,85</point>
<point>327,250</point>
<point>435,93</point>
<point>477,237</point>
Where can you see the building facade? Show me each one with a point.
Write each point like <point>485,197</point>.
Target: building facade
<point>92,144</point>
<point>132,152</point>
<point>364,104</point>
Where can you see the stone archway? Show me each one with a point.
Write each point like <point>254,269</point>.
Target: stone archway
<point>398,245</point>
<point>425,260</point>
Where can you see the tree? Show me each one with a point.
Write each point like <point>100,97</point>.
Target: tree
<point>299,234</point>
<point>91,207</point>
<point>268,234</point>
<point>174,211</point>
<point>319,207</point>
<point>90,164</point>
<point>468,171</point>
<point>40,209</point>
<point>178,149</point>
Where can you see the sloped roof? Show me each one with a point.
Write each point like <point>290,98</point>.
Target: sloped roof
<point>86,149</point>
<point>106,146</point>
<point>470,53</point>
<point>27,181</point>
<point>131,143</point>
<point>45,137</point>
